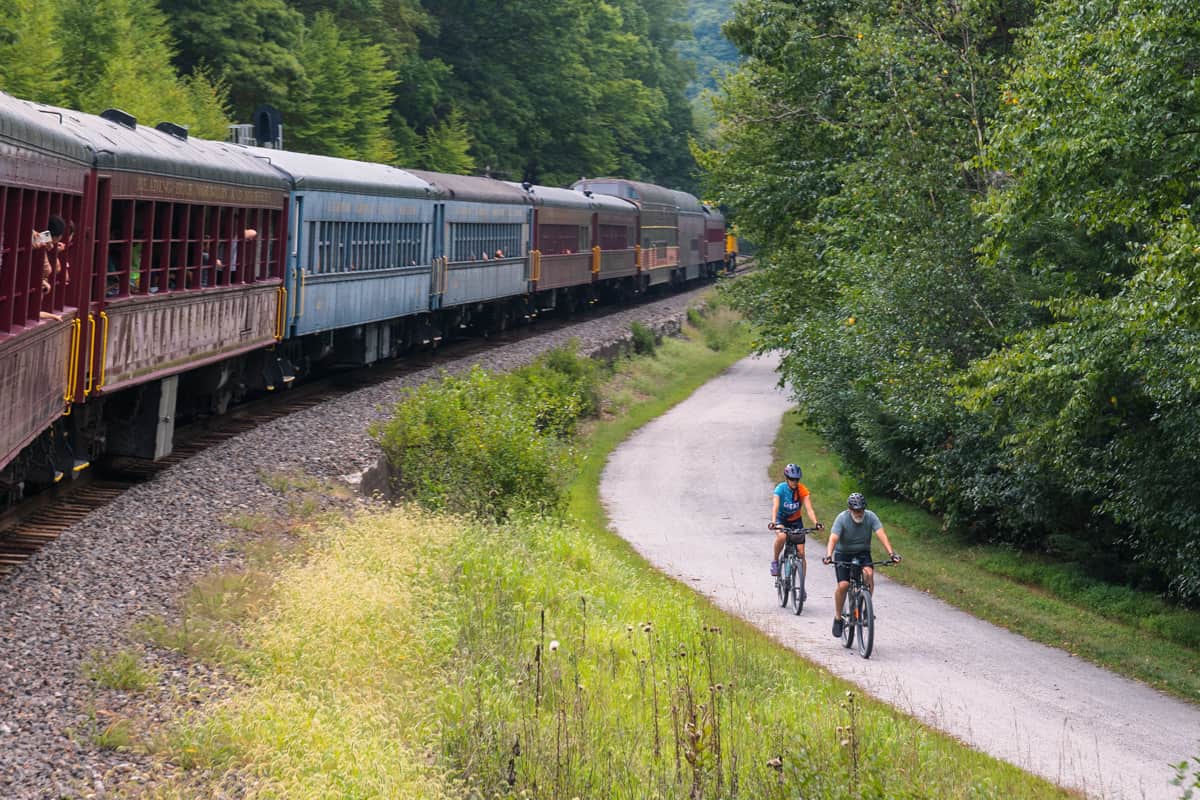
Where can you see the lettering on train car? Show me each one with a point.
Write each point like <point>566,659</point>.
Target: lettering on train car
<point>159,188</point>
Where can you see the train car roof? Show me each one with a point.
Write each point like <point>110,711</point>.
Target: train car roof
<point>687,202</point>
<point>39,127</point>
<point>478,190</point>
<point>610,202</point>
<point>637,191</point>
<point>553,196</point>
<point>129,147</point>
<point>713,212</point>
<point>325,173</point>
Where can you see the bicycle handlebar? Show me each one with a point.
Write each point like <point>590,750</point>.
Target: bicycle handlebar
<point>885,563</point>
<point>775,526</point>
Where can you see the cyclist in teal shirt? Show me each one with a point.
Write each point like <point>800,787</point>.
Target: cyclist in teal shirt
<point>788,504</point>
<point>850,538</point>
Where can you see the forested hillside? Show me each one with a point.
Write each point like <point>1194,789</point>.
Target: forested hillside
<point>983,260</point>
<point>522,89</point>
<point>713,54</point>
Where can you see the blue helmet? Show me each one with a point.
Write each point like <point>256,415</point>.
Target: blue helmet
<point>856,502</point>
<point>792,471</point>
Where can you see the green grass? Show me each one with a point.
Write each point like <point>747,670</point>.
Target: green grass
<point>1132,633</point>
<point>410,654</point>
<point>121,670</point>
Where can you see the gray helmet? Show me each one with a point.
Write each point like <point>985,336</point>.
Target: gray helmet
<point>856,502</point>
<point>792,471</point>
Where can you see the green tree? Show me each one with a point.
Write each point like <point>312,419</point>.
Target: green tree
<point>119,54</point>
<point>554,92</point>
<point>1095,408</point>
<point>446,147</point>
<point>341,107</point>
<point>30,66</point>
<point>250,45</point>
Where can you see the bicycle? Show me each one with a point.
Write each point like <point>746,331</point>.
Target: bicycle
<point>858,612</point>
<point>792,568</point>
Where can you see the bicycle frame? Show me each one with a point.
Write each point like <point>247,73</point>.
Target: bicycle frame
<point>793,569</point>
<point>858,610</point>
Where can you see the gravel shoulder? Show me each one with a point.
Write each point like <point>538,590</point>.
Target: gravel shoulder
<point>1031,705</point>
<point>134,558</point>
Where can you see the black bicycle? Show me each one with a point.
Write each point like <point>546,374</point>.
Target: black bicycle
<point>858,613</point>
<point>793,569</point>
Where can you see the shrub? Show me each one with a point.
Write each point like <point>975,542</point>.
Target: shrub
<point>485,444</point>
<point>644,340</point>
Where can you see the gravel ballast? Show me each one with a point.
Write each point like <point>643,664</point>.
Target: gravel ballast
<point>132,560</point>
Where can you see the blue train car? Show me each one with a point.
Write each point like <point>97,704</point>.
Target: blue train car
<point>360,259</point>
<point>482,235</point>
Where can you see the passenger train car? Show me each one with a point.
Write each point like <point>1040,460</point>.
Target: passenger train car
<point>146,275</point>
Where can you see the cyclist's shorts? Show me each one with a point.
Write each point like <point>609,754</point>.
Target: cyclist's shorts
<point>843,572</point>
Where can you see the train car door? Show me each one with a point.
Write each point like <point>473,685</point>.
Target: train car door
<point>437,279</point>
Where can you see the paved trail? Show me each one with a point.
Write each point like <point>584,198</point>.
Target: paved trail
<point>1031,705</point>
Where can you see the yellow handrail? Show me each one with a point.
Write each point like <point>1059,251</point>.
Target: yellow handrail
<point>87,389</point>
<point>72,365</point>
<point>637,257</point>
<point>103,351</point>
<point>537,265</point>
<point>280,312</point>
<point>596,260</point>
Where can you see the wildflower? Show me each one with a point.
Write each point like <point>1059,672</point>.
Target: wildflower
<point>553,645</point>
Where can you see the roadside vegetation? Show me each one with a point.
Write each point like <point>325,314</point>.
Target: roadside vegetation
<point>1134,633</point>
<point>409,652</point>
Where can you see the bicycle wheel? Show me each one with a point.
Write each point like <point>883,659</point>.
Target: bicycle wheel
<point>866,624</point>
<point>848,619</point>
<point>783,584</point>
<point>798,570</point>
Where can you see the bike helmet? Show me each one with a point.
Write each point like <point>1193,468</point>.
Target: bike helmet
<point>856,502</point>
<point>792,471</point>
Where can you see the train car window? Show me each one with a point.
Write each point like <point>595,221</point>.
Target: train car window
<point>195,248</point>
<point>478,241</point>
<point>615,237</point>
<point>7,263</point>
<point>12,281</point>
<point>559,239</point>
<point>160,247</point>
<point>16,266</point>
<point>139,268</point>
<point>120,249</point>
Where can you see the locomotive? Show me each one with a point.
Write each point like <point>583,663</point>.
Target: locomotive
<point>148,276</point>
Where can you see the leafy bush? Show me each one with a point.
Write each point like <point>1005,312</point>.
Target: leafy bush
<point>644,340</point>
<point>486,444</point>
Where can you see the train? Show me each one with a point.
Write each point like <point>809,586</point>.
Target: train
<point>147,276</point>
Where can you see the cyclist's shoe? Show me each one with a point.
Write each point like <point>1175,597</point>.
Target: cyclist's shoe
<point>804,596</point>
<point>775,569</point>
<point>837,627</point>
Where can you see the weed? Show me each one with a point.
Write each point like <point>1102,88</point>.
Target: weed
<point>120,670</point>
<point>645,341</point>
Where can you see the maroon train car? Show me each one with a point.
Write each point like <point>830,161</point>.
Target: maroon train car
<point>44,174</point>
<point>173,273</point>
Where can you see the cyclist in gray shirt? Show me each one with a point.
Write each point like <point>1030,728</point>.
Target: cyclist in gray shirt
<point>850,538</point>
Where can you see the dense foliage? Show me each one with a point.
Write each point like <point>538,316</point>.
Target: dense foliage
<point>521,90</point>
<point>981,259</point>
<point>486,444</point>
